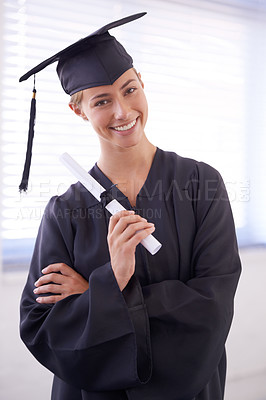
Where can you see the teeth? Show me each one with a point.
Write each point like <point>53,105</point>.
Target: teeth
<point>125,127</point>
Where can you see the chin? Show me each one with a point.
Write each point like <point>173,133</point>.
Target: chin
<point>130,142</point>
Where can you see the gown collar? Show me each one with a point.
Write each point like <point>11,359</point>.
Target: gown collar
<point>150,187</point>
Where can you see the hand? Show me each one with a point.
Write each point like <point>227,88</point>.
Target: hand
<point>64,284</point>
<point>126,231</point>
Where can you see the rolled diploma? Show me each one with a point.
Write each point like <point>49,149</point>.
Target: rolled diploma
<point>150,243</point>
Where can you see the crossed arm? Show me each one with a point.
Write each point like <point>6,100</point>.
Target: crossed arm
<point>126,230</point>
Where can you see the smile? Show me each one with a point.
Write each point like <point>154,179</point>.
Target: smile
<point>125,127</point>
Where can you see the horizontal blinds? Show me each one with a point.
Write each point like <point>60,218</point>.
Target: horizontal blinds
<point>197,63</point>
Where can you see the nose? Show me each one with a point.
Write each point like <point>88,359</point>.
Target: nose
<point>121,109</point>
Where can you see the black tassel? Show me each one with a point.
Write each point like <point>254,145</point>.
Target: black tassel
<point>25,176</point>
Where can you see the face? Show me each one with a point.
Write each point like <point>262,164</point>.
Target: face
<point>118,112</point>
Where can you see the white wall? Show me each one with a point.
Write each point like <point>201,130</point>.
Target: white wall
<point>246,344</point>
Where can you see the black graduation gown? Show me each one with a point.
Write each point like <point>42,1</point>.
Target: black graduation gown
<point>163,337</point>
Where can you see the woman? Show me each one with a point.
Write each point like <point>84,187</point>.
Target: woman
<point>107,318</point>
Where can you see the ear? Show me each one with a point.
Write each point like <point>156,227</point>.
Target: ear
<point>141,82</point>
<point>77,110</point>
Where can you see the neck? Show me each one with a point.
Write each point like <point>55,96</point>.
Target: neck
<point>120,162</point>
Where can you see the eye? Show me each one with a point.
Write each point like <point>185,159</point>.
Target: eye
<point>131,90</point>
<point>101,103</point>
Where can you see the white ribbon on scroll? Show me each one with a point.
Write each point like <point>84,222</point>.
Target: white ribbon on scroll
<point>150,243</point>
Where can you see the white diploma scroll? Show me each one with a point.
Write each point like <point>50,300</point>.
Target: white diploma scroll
<point>150,243</point>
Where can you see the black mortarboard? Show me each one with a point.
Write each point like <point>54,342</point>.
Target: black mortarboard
<point>96,60</point>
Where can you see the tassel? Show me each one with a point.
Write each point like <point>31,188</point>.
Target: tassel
<point>25,176</point>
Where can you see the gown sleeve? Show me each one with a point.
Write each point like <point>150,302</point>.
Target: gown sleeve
<point>88,340</point>
<point>190,320</point>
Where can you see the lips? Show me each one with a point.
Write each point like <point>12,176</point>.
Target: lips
<point>123,128</point>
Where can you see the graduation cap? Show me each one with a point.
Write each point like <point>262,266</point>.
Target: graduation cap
<point>96,60</point>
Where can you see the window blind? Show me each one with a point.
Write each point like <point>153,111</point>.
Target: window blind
<point>202,66</point>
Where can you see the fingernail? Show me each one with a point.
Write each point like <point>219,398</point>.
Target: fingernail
<point>44,270</point>
<point>131,211</point>
<point>35,290</point>
<point>39,299</point>
<point>36,283</point>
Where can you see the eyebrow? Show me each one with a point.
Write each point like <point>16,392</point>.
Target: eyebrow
<point>100,96</point>
<point>127,83</point>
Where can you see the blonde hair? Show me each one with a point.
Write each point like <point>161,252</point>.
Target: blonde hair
<point>76,98</point>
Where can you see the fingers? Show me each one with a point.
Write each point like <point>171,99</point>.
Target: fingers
<point>49,288</point>
<point>51,274</point>
<point>128,215</point>
<point>60,280</point>
<point>142,234</point>
<point>47,284</point>
<point>127,227</point>
<point>58,267</point>
<point>50,299</point>
<point>44,288</point>
<point>52,277</point>
<point>136,232</point>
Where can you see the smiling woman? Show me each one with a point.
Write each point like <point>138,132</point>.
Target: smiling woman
<point>118,114</point>
<point>110,320</point>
